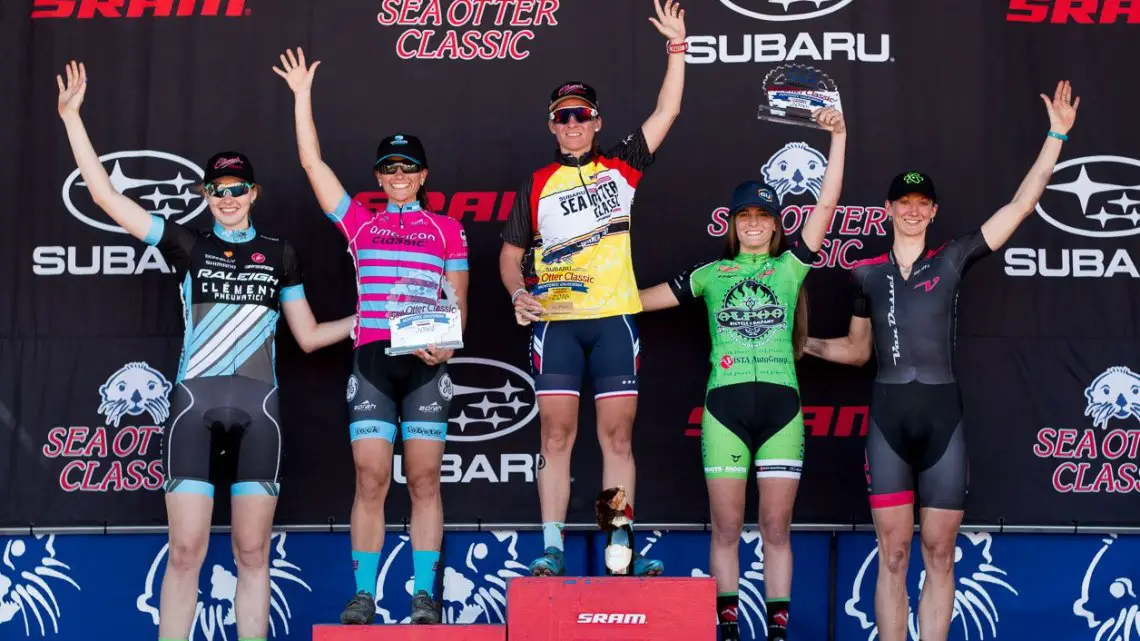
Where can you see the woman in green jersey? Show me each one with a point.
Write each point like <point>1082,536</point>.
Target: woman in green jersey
<point>758,323</point>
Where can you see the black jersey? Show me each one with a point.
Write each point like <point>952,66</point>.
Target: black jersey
<point>233,285</point>
<point>914,320</point>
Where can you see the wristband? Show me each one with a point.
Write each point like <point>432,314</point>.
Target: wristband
<point>1053,134</point>
<point>515,295</point>
<point>677,48</point>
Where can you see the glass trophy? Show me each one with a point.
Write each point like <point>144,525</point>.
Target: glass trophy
<point>793,93</point>
<point>425,312</point>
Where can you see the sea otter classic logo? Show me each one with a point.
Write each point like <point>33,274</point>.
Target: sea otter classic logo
<point>1114,394</point>
<point>134,390</point>
<point>795,169</point>
<point>751,311</point>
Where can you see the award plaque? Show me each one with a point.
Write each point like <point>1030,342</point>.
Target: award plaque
<point>794,92</point>
<point>420,317</point>
<point>614,515</point>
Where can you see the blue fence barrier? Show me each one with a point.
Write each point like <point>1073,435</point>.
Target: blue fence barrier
<point>1009,586</point>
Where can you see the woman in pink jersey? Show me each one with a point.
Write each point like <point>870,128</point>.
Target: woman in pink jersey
<point>403,255</point>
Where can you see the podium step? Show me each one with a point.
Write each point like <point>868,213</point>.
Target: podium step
<point>618,608</point>
<point>408,632</point>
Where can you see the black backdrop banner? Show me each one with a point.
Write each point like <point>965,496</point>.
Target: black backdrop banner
<point>1047,348</point>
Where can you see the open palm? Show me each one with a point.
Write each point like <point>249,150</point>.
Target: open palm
<point>295,72</point>
<point>1062,108</point>
<point>670,20</point>
<point>72,92</point>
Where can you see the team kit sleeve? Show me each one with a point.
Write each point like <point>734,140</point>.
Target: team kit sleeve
<point>291,281</point>
<point>519,230</point>
<point>173,240</point>
<point>634,151</point>
<point>798,258</point>
<point>968,249</point>
<point>455,246</point>
<point>349,216</point>
<point>689,285</point>
<point>862,305</point>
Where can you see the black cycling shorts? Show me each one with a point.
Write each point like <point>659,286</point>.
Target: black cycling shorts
<point>223,426</point>
<point>385,391</point>
<point>916,430</point>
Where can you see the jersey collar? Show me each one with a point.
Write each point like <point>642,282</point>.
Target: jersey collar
<point>752,259</point>
<point>235,236</point>
<point>393,208</point>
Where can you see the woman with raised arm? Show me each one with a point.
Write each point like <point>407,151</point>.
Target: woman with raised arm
<point>225,397</point>
<point>405,254</point>
<point>906,299</point>
<point>757,322</point>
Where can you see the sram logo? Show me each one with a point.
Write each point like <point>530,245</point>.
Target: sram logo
<point>88,9</point>
<point>464,206</point>
<point>1074,11</point>
<point>615,617</point>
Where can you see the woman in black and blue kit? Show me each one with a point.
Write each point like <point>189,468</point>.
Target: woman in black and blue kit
<point>235,284</point>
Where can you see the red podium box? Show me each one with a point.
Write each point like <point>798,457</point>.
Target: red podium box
<point>604,608</point>
<point>409,633</point>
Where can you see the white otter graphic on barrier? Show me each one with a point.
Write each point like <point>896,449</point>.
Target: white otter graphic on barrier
<point>975,613</point>
<point>1108,601</point>
<point>752,609</point>
<point>136,389</point>
<point>473,593</point>
<point>29,574</point>
<point>1113,394</point>
<point>215,618</point>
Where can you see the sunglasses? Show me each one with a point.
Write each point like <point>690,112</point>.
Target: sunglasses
<point>232,190</point>
<point>581,114</point>
<point>390,168</point>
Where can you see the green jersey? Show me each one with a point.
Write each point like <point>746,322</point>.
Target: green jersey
<point>752,305</point>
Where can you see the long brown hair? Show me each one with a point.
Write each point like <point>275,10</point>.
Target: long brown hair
<point>778,245</point>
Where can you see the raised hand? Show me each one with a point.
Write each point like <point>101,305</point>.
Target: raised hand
<point>299,77</point>
<point>831,119</point>
<point>670,20</point>
<point>1062,108</point>
<point>72,92</point>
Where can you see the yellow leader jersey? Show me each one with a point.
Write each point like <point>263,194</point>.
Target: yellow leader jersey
<point>573,216</point>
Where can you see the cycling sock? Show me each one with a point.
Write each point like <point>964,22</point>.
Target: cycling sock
<point>726,604</point>
<point>778,618</point>
<point>552,534</point>
<point>366,566</point>
<point>425,563</point>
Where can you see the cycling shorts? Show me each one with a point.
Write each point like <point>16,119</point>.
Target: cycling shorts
<point>560,352</point>
<point>748,422</point>
<point>223,427</point>
<point>916,429</point>
<point>385,391</point>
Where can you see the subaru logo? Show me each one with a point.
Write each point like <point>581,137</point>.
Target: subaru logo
<point>490,399</point>
<point>159,182</point>
<point>785,10</point>
<point>1094,196</point>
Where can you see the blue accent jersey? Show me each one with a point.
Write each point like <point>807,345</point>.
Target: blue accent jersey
<point>233,286</point>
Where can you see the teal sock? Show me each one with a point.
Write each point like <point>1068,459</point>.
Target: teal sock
<point>552,534</point>
<point>366,567</point>
<point>425,563</point>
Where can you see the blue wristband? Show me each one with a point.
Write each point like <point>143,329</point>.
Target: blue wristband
<point>1053,134</point>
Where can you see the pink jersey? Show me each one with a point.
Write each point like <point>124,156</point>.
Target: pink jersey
<point>400,256</point>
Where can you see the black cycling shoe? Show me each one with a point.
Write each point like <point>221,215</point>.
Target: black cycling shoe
<point>424,609</point>
<point>360,610</point>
